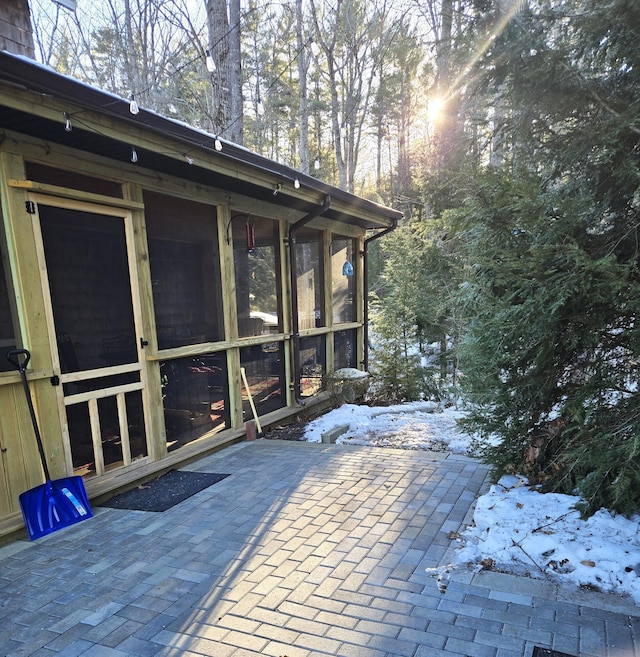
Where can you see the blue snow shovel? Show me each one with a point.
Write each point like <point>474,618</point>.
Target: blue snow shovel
<point>54,504</point>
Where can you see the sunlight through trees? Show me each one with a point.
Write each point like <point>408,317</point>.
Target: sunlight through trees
<point>506,131</point>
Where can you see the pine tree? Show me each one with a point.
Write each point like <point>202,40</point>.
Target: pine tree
<point>412,307</point>
<point>552,295</point>
<point>396,362</point>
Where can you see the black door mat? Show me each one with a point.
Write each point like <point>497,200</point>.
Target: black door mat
<point>545,652</point>
<point>164,492</point>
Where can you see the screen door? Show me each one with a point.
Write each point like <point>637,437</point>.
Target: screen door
<point>89,288</point>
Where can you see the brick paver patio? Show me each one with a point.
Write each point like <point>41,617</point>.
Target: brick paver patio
<point>304,550</point>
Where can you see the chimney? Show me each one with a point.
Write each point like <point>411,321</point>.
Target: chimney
<point>15,28</point>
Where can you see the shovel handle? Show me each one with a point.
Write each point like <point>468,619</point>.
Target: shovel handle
<point>13,357</point>
<point>253,406</point>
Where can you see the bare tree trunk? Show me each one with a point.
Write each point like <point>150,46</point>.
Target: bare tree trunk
<point>235,63</point>
<point>327,42</point>
<point>381,134</point>
<point>130,52</point>
<point>218,24</point>
<point>443,79</point>
<point>404,131</point>
<point>303,68</point>
<point>443,54</point>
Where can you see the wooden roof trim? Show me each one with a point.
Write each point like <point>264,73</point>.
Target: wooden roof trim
<point>28,74</point>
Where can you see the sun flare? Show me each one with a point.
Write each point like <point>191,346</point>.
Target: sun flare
<point>435,107</point>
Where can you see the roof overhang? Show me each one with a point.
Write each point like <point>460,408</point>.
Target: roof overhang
<point>164,145</point>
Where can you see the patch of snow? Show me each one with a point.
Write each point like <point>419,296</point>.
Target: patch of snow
<point>542,534</point>
<point>349,373</point>
<point>415,425</point>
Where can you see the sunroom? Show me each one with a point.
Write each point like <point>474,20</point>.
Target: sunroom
<point>150,268</point>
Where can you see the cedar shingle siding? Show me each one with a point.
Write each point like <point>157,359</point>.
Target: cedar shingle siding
<point>15,28</point>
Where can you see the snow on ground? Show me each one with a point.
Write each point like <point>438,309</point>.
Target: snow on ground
<point>416,425</point>
<point>516,529</point>
<point>543,535</point>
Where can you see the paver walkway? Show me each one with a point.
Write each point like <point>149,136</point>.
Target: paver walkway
<point>305,550</point>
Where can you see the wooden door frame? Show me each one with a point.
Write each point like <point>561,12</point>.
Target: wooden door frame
<point>126,215</point>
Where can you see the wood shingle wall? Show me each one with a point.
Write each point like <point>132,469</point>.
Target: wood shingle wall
<point>15,28</point>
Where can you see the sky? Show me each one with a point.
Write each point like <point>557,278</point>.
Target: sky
<point>516,528</point>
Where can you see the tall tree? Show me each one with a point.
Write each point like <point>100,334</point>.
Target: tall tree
<point>235,65</point>
<point>455,33</point>
<point>346,34</point>
<point>221,75</point>
<point>275,121</point>
<point>303,72</point>
<point>553,296</point>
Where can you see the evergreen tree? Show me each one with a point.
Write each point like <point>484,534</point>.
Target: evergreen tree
<point>553,292</point>
<point>437,314</point>
<point>396,362</point>
<point>413,307</point>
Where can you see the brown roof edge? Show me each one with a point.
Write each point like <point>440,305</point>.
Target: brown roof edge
<point>33,76</point>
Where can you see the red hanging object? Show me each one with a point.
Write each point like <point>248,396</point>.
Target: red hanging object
<point>251,237</point>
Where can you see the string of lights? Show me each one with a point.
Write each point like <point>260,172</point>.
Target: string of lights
<point>203,54</point>
<point>268,89</point>
<point>215,140</point>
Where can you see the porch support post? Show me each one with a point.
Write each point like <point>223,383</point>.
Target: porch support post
<point>295,325</point>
